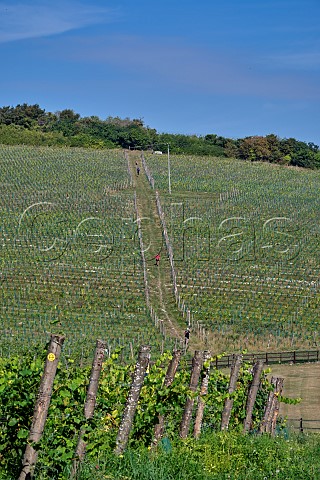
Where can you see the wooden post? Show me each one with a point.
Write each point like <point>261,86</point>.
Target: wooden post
<point>131,350</point>
<point>267,409</point>
<point>252,394</point>
<point>266,423</point>
<point>203,392</point>
<point>41,406</point>
<point>132,400</point>
<point>276,405</point>
<point>90,402</point>
<point>301,425</point>
<point>171,371</point>
<point>195,374</point>
<point>228,404</point>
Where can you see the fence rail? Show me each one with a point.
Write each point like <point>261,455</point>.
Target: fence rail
<point>296,356</point>
<point>303,425</point>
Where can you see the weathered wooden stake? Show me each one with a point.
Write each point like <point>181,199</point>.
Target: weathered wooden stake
<point>276,405</point>
<point>171,371</point>
<point>228,404</point>
<point>132,401</point>
<point>195,374</point>
<point>203,392</point>
<point>41,406</point>
<point>90,402</point>
<point>269,411</point>
<point>252,394</point>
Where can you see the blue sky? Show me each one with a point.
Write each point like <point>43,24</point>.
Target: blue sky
<point>231,67</point>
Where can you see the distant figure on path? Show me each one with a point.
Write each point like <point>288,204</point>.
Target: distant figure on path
<point>138,170</point>
<point>186,338</point>
<point>157,258</point>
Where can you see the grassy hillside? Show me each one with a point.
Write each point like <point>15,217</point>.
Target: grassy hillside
<point>244,235</point>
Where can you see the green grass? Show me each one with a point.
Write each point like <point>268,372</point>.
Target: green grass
<point>218,456</point>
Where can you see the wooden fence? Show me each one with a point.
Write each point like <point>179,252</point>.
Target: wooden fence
<point>269,358</point>
<point>303,425</point>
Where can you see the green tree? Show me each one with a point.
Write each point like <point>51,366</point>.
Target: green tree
<point>27,116</point>
<point>254,148</point>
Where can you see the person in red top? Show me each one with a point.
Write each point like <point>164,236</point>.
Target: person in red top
<point>157,258</point>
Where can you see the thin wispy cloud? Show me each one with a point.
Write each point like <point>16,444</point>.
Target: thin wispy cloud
<point>180,65</point>
<point>23,20</point>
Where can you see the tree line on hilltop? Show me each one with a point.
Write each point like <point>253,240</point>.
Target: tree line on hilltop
<point>32,125</point>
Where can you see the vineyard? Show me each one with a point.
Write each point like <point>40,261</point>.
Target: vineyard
<point>239,265</point>
<point>245,239</point>
<point>70,256</point>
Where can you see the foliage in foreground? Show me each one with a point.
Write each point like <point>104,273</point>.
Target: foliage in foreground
<point>216,456</point>
<point>19,380</point>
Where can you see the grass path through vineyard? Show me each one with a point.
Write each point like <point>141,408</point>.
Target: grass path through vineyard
<point>159,278</point>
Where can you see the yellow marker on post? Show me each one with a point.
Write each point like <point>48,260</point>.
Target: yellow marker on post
<point>51,357</point>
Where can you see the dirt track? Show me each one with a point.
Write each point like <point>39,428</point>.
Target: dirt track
<point>159,278</point>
